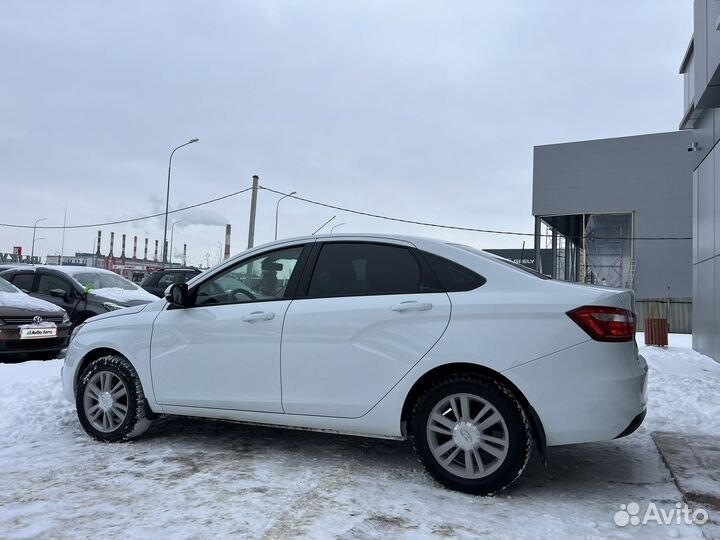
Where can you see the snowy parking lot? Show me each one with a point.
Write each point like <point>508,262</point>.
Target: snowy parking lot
<point>189,478</point>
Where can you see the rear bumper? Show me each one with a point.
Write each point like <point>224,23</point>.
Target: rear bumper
<point>590,392</point>
<point>632,427</point>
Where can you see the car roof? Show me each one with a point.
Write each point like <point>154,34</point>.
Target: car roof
<point>358,236</point>
<point>17,266</point>
<point>72,270</point>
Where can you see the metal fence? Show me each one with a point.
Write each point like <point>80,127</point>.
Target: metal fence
<point>678,311</point>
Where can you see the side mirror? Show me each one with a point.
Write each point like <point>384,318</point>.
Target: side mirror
<point>58,293</point>
<point>177,294</point>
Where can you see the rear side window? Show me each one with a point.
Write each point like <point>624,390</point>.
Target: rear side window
<point>453,276</point>
<point>353,269</point>
<point>23,281</point>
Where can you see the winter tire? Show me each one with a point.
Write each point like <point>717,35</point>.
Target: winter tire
<point>471,434</point>
<point>110,401</point>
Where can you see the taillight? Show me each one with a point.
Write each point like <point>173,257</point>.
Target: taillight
<point>605,323</point>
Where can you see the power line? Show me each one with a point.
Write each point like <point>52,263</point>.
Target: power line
<point>348,210</point>
<point>458,228</point>
<point>130,220</point>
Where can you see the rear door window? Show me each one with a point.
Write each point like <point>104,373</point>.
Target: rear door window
<point>363,268</point>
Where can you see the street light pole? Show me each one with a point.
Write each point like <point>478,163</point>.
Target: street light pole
<point>32,249</point>
<point>332,230</point>
<point>277,209</point>
<point>172,236</point>
<point>167,199</point>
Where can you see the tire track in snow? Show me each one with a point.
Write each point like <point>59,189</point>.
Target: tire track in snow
<point>309,502</point>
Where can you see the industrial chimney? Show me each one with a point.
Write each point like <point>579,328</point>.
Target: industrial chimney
<point>157,242</point>
<point>112,243</point>
<point>146,249</point>
<point>134,247</point>
<point>97,251</point>
<point>184,254</point>
<point>122,254</point>
<point>227,241</point>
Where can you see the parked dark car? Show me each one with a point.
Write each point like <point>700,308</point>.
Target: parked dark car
<point>30,328</point>
<point>157,282</point>
<point>80,290</point>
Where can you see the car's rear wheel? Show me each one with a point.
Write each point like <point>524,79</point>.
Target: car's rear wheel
<point>110,401</point>
<point>471,434</point>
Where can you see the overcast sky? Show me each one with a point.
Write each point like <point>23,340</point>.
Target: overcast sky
<point>420,110</point>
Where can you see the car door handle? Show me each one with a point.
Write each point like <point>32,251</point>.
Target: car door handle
<point>412,306</point>
<point>258,316</point>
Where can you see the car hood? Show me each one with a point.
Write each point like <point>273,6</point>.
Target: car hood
<point>119,312</point>
<point>122,297</point>
<point>18,304</point>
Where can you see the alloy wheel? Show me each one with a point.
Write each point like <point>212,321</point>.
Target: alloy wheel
<point>467,436</point>
<point>105,401</point>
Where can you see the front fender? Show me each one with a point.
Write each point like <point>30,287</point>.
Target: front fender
<point>128,335</point>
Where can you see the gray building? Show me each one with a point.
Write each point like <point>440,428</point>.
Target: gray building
<point>701,71</point>
<point>588,195</point>
<point>600,203</point>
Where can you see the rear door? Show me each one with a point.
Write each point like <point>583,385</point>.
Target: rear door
<point>370,312</point>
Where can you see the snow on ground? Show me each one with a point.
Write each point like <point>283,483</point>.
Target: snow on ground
<point>205,479</point>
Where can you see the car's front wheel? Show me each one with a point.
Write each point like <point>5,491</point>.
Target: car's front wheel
<point>471,434</point>
<point>110,401</point>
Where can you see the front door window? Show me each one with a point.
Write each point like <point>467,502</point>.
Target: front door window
<point>260,279</point>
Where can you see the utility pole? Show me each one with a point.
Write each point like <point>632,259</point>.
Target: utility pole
<point>253,208</point>
<point>62,244</point>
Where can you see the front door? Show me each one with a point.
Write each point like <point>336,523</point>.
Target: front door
<point>371,312</point>
<point>223,351</point>
<point>57,290</point>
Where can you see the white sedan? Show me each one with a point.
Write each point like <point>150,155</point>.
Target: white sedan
<point>468,355</point>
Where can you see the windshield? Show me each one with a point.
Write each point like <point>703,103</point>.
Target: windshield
<point>6,286</point>
<point>102,280</point>
<point>503,260</point>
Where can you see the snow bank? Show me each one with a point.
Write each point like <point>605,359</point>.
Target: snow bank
<point>684,388</point>
<point>28,372</point>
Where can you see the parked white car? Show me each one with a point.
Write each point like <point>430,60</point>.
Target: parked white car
<point>468,355</point>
